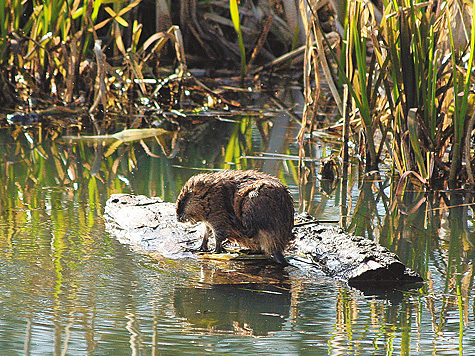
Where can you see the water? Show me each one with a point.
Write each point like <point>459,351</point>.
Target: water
<point>69,288</point>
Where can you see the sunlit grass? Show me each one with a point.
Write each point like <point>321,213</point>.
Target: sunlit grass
<point>408,78</point>
<point>233,7</point>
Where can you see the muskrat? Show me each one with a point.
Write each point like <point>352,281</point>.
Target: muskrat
<point>250,208</point>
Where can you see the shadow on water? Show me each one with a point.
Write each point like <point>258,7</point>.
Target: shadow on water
<point>64,279</point>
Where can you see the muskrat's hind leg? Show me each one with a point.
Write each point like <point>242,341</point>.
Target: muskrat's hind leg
<point>242,226</point>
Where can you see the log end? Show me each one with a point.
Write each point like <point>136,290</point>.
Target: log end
<point>372,273</point>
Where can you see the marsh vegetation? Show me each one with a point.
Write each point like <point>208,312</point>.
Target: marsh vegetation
<point>366,111</point>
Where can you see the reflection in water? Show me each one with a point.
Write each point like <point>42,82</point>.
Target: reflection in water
<point>243,298</point>
<point>245,309</point>
<point>66,287</point>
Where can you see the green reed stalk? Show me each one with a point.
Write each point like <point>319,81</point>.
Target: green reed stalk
<point>430,102</point>
<point>5,5</point>
<point>422,116</point>
<point>412,34</point>
<point>233,7</point>
<point>358,85</point>
<point>10,15</point>
<point>461,83</point>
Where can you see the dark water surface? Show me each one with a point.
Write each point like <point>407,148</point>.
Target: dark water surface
<point>69,288</point>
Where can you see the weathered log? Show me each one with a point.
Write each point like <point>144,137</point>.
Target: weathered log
<point>354,259</point>
<point>150,225</point>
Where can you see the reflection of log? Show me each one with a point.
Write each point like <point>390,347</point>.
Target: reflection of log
<point>150,225</point>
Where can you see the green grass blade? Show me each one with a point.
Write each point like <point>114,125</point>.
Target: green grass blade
<point>412,123</point>
<point>233,8</point>
<point>460,110</point>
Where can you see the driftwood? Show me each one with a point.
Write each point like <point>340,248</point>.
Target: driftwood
<point>354,259</point>
<point>149,225</point>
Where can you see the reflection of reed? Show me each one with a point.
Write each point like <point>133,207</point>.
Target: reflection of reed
<point>37,159</point>
<point>436,239</point>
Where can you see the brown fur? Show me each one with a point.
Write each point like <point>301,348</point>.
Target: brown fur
<point>248,207</point>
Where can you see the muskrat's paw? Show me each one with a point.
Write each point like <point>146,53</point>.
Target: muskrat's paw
<point>220,249</point>
<point>203,247</point>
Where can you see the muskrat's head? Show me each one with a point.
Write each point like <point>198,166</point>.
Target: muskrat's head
<point>189,205</point>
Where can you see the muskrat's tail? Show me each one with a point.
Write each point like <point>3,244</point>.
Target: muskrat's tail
<point>280,259</point>
<point>273,243</point>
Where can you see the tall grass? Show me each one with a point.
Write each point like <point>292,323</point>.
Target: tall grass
<point>53,46</point>
<point>108,54</point>
<point>409,78</point>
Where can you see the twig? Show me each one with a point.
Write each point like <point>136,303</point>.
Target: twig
<point>282,59</point>
<point>260,43</point>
